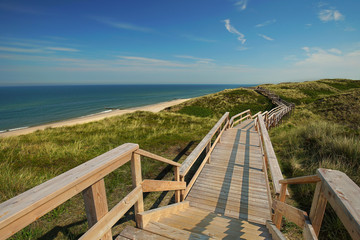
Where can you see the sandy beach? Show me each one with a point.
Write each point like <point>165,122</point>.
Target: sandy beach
<point>96,117</point>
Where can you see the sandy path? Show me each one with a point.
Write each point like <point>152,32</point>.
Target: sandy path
<point>151,108</point>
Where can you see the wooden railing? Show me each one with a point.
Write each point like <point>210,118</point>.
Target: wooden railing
<point>332,186</point>
<point>207,145</point>
<point>88,179</point>
<point>242,116</point>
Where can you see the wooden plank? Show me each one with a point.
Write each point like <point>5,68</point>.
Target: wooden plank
<point>159,185</point>
<point>157,157</point>
<point>253,195</point>
<point>189,161</point>
<point>173,233</point>
<point>251,209</point>
<point>318,207</point>
<point>195,176</point>
<point>343,195</point>
<point>293,214</point>
<point>153,215</point>
<point>301,180</point>
<point>137,180</point>
<point>18,212</point>
<point>235,190</point>
<point>96,205</point>
<point>199,215</point>
<point>134,233</point>
<point>109,220</point>
<point>308,231</point>
<point>275,170</point>
<point>278,215</point>
<point>275,233</point>
<point>177,178</point>
<point>212,230</point>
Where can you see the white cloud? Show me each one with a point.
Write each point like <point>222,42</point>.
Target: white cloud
<point>20,50</point>
<point>308,25</point>
<point>122,25</point>
<point>231,29</point>
<point>335,50</point>
<point>62,49</point>
<point>266,37</point>
<point>327,15</point>
<point>332,59</point>
<point>266,23</point>
<point>199,60</point>
<point>242,4</point>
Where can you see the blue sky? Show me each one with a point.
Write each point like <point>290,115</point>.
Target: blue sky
<point>198,41</point>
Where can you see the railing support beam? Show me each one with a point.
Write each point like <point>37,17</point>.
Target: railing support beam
<point>96,205</point>
<point>136,181</point>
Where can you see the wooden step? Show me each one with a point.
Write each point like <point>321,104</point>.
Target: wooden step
<point>134,233</point>
<point>213,225</point>
<point>172,232</point>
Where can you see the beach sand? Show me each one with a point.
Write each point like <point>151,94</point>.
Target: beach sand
<point>96,117</point>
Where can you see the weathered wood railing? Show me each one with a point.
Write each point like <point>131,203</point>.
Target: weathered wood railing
<point>207,145</point>
<point>242,116</point>
<point>332,186</point>
<point>88,179</point>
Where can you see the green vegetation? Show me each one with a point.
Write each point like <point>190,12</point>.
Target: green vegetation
<point>29,160</point>
<point>322,132</point>
<point>232,101</point>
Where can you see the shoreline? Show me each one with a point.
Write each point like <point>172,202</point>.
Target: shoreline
<point>157,107</point>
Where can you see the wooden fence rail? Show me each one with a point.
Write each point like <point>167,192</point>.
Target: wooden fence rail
<point>88,178</point>
<point>332,186</point>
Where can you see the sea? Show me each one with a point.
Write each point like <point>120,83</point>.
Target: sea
<point>27,106</point>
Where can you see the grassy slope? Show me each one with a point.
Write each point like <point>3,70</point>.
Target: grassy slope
<point>29,160</point>
<point>232,101</point>
<point>322,132</point>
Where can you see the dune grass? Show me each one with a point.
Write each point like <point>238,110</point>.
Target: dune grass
<point>322,132</point>
<point>231,100</point>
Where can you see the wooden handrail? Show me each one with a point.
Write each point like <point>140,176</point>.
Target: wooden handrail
<point>254,116</point>
<point>334,187</point>
<point>157,157</point>
<point>248,115</point>
<point>18,212</point>
<point>270,156</point>
<point>301,180</point>
<point>343,195</point>
<point>190,160</point>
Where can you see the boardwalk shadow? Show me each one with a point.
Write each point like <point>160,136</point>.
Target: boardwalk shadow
<point>226,184</point>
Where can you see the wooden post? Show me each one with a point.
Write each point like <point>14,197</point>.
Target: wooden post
<point>182,192</point>
<point>208,147</point>
<point>177,178</point>
<point>96,205</point>
<point>282,197</point>
<point>318,208</point>
<point>136,181</point>
<point>219,131</point>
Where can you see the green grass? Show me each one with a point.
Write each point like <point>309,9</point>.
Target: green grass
<point>322,132</point>
<point>232,100</point>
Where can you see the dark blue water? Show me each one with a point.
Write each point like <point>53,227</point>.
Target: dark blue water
<point>35,105</point>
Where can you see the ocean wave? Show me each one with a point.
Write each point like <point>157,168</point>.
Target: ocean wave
<point>13,129</point>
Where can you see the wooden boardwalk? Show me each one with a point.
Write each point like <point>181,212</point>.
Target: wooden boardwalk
<point>233,183</point>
